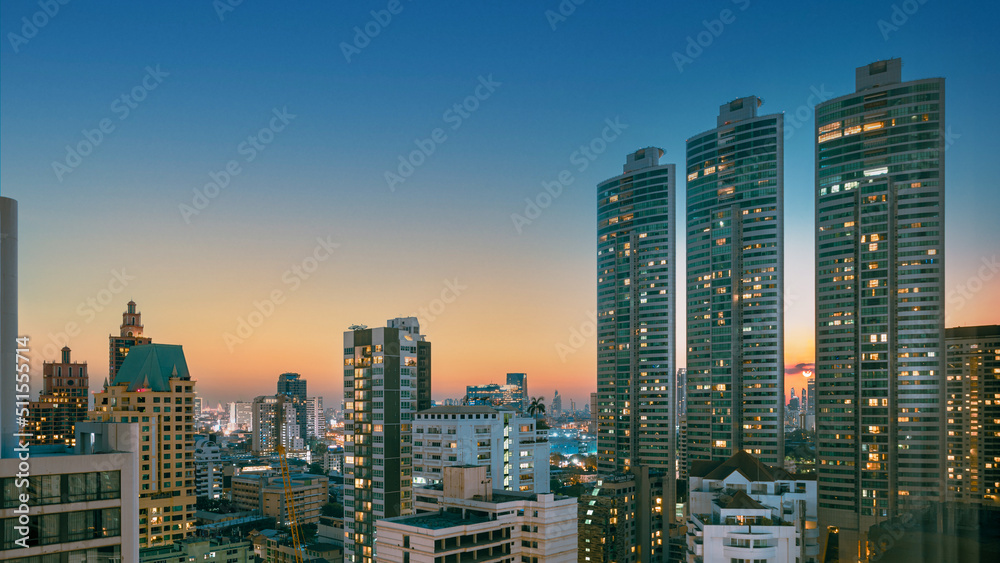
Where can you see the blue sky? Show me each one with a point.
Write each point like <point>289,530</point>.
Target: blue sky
<point>220,80</point>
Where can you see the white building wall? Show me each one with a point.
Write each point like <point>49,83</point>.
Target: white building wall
<point>516,453</point>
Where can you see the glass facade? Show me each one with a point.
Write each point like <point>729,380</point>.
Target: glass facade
<point>735,287</point>
<point>879,299</point>
<point>635,312</point>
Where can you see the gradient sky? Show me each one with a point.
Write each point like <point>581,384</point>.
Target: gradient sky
<point>522,294</point>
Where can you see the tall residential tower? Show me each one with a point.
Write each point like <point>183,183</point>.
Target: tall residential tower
<point>381,390</point>
<point>636,286</point>
<point>735,286</point>
<point>879,301</point>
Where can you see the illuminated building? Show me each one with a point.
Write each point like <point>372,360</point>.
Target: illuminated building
<point>735,286</point>
<point>62,402</point>
<point>973,414</point>
<point>879,301</point>
<point>514,449</point>
<point>154,390</point>
<point>130,334</point>
<point>381,390</point>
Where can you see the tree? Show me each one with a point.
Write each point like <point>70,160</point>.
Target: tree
<point>537,406</point>
<point>316,469</point>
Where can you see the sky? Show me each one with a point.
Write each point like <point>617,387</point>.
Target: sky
<point>259,177</point>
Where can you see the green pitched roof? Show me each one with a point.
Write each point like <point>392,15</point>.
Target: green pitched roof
<point>150,366</point>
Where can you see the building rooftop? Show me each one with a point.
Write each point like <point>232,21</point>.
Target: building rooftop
<point>972,331</point>
<point>471,409</point>
<point>151,366</point>
<point>742,500</point>
<point>749,466</point>
<point>438,520</point>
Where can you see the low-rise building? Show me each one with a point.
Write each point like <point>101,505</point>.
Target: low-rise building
<point>272,546</point>
<point>219,550</point>
<point>512,446</point>
<point>741,509</point>
<point>266,493</point>
<point>477,523</point>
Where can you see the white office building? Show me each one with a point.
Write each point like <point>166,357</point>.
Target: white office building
<point>511,446</point>
<point>477,523</point>
<point>315,420</point>
<point>207,468</point>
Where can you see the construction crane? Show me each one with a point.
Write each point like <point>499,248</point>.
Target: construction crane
<point>293,521</point>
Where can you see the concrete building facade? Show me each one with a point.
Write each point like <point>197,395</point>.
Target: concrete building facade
<point>381,390</point>
<point>153,389</point>
<point>511,446</point>
<point>477,523</point>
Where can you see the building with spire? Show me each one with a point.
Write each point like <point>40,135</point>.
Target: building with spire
<point>62,403</point>
<point>129,335</point>
<point>153,389</point>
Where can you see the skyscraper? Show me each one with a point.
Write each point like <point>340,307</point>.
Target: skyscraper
<point>521,381</point>
<point>879,300</point>
<point>315,421</point>
<point>381,387</point>
<point>276,421</point>
<point>735,286</point>
<point>293,386</point>
<point>154,390</point>
<point>129,334</point>
<point>62,403</point>
<point>635,352</point>
<point>635,313</point>
<point>973,423</point>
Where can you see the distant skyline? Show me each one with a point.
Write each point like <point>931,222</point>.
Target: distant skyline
<point>313,230</point>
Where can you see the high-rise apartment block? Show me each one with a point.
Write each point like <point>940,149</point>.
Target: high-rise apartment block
<point>635,314</point>
<point>520,380</point>
<point>62,402</point>
<point>735,285</point>
<point>241,415</point>
<point>154,390</point>
<point>381,390</point>
<point>294,387</point>
<point>880,354</point>
<point>973,414</point>
<point>636,288</point>
<point>514,449</point>
<point>315,419</point>
<point>207,468</point>
<point>129,335</point>
<point>276,422</point>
